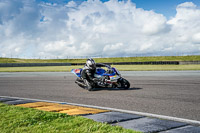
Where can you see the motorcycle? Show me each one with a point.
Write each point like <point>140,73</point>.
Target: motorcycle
<point>106,79</point>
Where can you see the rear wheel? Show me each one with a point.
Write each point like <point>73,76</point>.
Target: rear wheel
<point>123,84</point>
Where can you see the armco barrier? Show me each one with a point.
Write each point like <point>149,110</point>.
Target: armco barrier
<point>189,62</point>
<point>117,63</point>
<point>139,63</point>
<point>147,63</point>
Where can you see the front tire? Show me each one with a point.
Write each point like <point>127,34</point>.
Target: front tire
<point>124,84</point>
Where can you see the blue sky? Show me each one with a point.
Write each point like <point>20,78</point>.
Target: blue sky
<point>63,28</point>
<point>165,7</point>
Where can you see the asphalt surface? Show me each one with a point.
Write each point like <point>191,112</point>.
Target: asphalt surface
<point>171,93</point>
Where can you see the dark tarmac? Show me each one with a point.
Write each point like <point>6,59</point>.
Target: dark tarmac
<point>171,93</point>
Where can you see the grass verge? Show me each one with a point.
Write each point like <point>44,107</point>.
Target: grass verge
<point>103,60</point>
<point>119,67</point>
<point>19,120</point>
<point>157,67</point>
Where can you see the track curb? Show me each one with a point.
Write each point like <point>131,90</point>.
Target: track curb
<point>128,119</point>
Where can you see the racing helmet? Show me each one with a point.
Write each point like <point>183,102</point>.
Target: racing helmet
<point>90,63</point>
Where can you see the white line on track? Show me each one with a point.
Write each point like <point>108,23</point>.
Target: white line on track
<point>120,110</point>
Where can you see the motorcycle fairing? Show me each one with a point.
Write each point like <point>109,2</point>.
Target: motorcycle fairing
<point>99,72</point>
<point>115,77</point>
<point>77,72</point>
<point>102,72</point>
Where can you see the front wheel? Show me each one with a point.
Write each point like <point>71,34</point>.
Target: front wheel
<point>123,84</point>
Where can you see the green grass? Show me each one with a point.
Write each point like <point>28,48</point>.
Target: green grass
<point>104,60</point>
<point>119,67</point>
<point>39,69</point>
<point>156,67</point>
<point>22,120</point>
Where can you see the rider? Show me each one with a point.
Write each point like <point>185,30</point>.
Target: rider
<point>88,72</point>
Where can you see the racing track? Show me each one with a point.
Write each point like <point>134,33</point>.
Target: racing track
<point>171,93</point>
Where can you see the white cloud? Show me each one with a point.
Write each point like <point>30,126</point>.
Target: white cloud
<point>185,28</point>
<point>113,28</point>
<point>187,5</point>
<point>196,38</point>
<point>114,49</point>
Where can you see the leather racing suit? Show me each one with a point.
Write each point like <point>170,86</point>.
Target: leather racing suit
<point>87,75</point>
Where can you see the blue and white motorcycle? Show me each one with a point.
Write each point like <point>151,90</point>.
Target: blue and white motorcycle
<point>106,79</point>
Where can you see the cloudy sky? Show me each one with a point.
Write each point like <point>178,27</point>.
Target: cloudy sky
<point>65,28</point>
